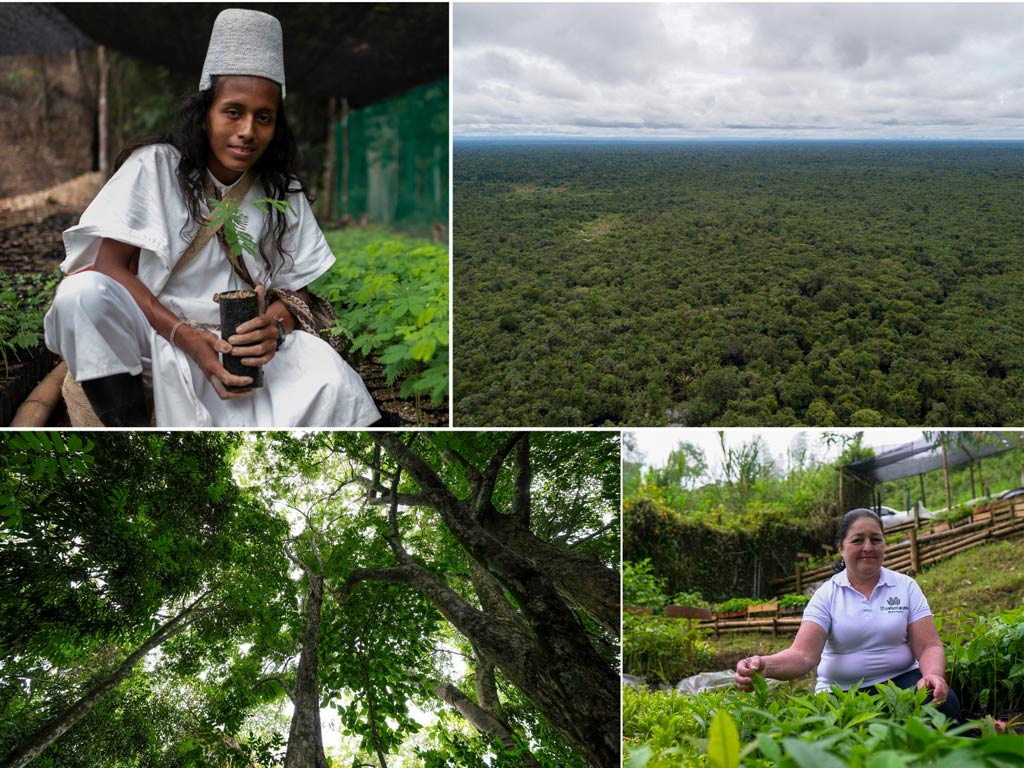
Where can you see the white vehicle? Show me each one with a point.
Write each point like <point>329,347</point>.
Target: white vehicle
<point>892,517</point>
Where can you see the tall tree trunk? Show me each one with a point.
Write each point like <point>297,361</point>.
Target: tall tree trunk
<point>552,660</point>
<point>305,738</point>
<point>28,750</point>
<point>330,161</point>
<point>103,161</point>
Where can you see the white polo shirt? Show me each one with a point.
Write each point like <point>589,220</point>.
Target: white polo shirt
<point>867,638</point>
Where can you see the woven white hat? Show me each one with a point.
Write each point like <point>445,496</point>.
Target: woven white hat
<point>244,42</point>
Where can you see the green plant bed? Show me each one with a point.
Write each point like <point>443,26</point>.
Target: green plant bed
<point>391,295</point>
<point>24,299</point>
<point>774,727</point>
<point>987,665</point>
<point>663,650</point>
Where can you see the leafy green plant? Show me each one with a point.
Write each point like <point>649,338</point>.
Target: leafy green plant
<point>693,599</point>
<point>771,727</point>
<point>391,295</point>
<point>667,649</point>
<point>794,601</point>
<point>226,213</point>
<point>641,587</point>
<point>735,604</point>
<point>987,666</point>
<point>23,302</point>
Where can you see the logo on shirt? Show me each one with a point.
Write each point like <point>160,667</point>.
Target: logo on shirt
<point>892,605</point>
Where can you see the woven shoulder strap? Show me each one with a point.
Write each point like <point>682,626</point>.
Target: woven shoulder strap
<point>236,194</point>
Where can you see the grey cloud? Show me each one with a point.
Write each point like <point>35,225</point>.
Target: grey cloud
<point>717,68</point>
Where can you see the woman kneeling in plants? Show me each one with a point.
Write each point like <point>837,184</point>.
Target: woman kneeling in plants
<point>865,625</point>
<point>143,269</point>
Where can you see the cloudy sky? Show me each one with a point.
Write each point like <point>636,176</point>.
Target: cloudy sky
<point>766,70</point>
<point>657,444</point>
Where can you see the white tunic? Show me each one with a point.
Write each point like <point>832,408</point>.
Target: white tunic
<point>305,384</point>
<point>867,638</point>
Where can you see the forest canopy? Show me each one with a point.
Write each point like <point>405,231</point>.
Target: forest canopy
<point>195,599</point>
<point>745,283</point>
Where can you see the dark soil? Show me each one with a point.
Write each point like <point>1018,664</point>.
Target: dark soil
<point>34,246</point>
<point>395,411</point>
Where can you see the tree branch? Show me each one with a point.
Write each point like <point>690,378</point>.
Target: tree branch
<point>485,722</point>
<point>603,529</point>
<point>523,475</point>
<point>490,474</point>
<point>372,707</point>
<point>280,680</point>
<point>375,488</point>
<point>473,474</point>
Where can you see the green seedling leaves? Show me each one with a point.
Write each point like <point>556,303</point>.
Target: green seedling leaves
<point>724,742</point>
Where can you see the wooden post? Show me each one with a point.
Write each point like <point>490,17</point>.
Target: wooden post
<point>840,505</point>
<point>102,117</point>
<point>970,467</point>
<point>345,164</point>
<point>923,499</point>
<point>915,556</point>
<point>330,161</point>
<point>945,473</point>
<point>44,123</point>
<point>799,581</point>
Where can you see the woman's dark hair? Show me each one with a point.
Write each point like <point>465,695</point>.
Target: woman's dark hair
<point>844,528</point>
<point>276,168</point>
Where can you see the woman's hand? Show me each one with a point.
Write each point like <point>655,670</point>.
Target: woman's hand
<point>206,348</point>
<point>937,685</point>
<point>745,670</point>
<point>255,341</point>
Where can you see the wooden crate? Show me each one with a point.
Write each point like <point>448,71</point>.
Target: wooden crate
<point>763,610</point>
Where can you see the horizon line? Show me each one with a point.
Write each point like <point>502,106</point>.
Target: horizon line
<point>520,137</point>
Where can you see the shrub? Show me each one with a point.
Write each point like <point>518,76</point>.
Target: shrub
<point>23,302</point>
<point>641,587</point>
<point>391,295</point>
<point>668,649</point>
<point>987,667</point>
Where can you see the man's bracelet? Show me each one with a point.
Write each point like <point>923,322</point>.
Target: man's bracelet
<point>174,330</point>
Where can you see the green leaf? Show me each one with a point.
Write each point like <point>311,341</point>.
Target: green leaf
<point>769,747</point>
<point>889,759</point>
<point>638,758</point>
<point>810,755</point>
<point>724,741</point>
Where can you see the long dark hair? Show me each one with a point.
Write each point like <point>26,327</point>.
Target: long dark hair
<point>844,528</point>
<point>276,168</point>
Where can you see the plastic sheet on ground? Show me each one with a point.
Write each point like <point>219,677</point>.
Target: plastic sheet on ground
<point>707,681</point>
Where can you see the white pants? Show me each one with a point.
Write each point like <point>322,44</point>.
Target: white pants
<point>100,331</point>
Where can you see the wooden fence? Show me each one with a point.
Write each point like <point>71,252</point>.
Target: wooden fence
<point>931,542</point>
<point>928,544</point>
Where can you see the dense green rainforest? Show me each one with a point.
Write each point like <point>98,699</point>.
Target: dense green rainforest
<point>747,283</point>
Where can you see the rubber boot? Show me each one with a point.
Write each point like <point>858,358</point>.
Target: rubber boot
<point>118,400</point>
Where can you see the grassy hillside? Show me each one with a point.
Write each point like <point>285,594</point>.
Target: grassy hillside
<point>984,580</point>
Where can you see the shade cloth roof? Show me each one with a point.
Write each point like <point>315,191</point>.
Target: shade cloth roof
<point>365,52</point>
<point>923,456</point>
